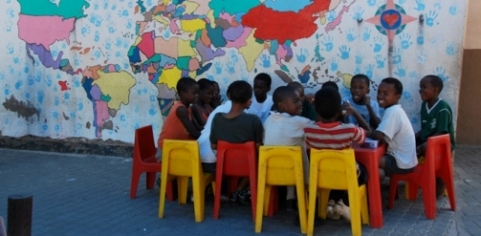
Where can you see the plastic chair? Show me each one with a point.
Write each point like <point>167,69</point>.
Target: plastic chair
<point>437,163</point>
<point>144,160</point>
<point>181,160</point>
<point>280,166</point>
<point>236,160</point>
<point>336,169</point>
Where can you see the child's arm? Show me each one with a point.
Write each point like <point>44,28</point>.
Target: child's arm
<point>373,112</point>
<point>360,120</point>
<point>377,135</point>
<point>183,115</point>
<point>197,114</point>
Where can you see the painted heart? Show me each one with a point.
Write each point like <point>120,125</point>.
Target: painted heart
<point>390,19</point>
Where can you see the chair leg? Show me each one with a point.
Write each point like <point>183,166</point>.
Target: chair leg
<point>355,209</point>
<point>218,181</point>
<point>198,198</point>
<point>451,192</point>
<point>253,189</point>
<point>134,184</point>
<point>170,191</point>
<point>261,189</point>
<point>364,209</point>
<point>429,199</point>
<point>311,210</point>
<point>323,200</point>
<point>302,205</point>
<point>393,191</point>
<point>163,188</point>
<point>267,199</point>
<point>182,188</point>
<point>273,202</point>
<point>150,179</point>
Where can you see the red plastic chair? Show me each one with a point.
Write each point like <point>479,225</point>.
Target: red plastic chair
<point>144,160</point>
<point>438,163</point>
<point>236,160</point>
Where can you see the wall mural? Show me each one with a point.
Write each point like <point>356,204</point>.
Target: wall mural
<point>101,69</point>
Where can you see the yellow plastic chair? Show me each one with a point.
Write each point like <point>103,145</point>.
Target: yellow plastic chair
<point>181,161</point>
<point>280,166</point>
<point>336,169</point>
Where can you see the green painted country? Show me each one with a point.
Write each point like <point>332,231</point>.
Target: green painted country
<point>66,8</point>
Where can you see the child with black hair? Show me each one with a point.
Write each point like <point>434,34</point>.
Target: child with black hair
<point>360,105</point>
<point>216,98</point>
<point>436,119</point>
<point>396,130</point>
<point>284,126</point>
<point>237,127</point>
<point>330,133</point>
<point>178,124</point>
<point>330,84</point>
<point>308,110</point>
<point>261,101</point>
<point>201,109</point>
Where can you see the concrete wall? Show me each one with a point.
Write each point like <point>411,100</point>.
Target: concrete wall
<point>97,70</point>
<point>469,124</point>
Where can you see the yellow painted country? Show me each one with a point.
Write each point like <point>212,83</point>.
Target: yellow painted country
<point>170,77</point>
<point>117,85</point>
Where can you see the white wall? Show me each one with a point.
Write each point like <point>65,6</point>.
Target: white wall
<point>53,101</point>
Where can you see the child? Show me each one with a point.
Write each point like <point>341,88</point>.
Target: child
<point>396,130</point>
<point>201,109</point>
<point>436,117</point>
<point>216,98</point>
<point>361,103</point>
<point>330,133</point>
<point>237,127</point>
<point>308,110</point>
<point>261,102</point>
<point>330,84</point>
<point>285,127</point>
<point>178,124</point>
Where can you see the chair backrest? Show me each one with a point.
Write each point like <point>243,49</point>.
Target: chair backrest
<point>144,146</point>
<point>438,152</point>
<point>335,169</point>
<point>181,157</point>
<point>236,157</point>
<point>280,163</point>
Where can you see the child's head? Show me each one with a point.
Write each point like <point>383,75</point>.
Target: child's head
<point>217,88</point>
<point>286,99</point>
<point>299,88</point>
<point>430,87</point>
<point>206,90</point>
<point>328,104</point>
<point>262,85</point>
<point>240,92</point>
<point>359,87</point>
<point>389,92</point>
<point>330,84</point>
<point>188,90</point>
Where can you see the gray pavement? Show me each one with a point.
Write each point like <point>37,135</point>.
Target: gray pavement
<point>89,195</point>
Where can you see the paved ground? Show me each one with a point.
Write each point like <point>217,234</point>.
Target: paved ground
<point>89,195</point>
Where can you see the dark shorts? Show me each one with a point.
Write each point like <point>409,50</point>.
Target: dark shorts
<point>208,167</point>
<point>391,167</point>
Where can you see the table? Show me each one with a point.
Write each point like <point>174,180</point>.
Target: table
<point>370,159</point>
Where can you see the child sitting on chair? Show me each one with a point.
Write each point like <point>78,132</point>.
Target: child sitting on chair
<point>396,130</point>
<point>178,124</point>
<point>330,133</point>
<point>361,103</point>
<point>436,118</point>
<point>308,110</point>
<point>261,101</point>
<point>201,109</point>
<point>237,127</point>
<point>284,127</point>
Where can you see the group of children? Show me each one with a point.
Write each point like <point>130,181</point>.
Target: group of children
<point>324,121</point>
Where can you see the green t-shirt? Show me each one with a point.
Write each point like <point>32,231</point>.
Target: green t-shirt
<point>240,129</point>
<point>308,110</point>
<point>438,120</point>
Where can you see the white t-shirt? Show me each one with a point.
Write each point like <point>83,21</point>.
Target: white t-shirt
<point>286,130</point>
<point>207,155</point>
<point>261,110</point>
<point>399,136</point>
<point>363,111</point>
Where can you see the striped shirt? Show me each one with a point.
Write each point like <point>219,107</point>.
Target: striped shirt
<point>334,135</point>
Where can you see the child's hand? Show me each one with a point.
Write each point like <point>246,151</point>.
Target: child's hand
<point>310,97</point>
<point>367,100</point>
<point>347,109</point>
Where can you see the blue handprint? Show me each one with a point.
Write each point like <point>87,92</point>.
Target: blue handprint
<point>126,43</point>
<point>8,26</point>
<point>123,13</point>
<point>105,4</point>
<point>369,70</point>
<point>334,64</point>
<point>48,80</point>
<point>401,71</point>
<point>56,101</point>
<point>420,5</point>
<point>378,44</point>
<point>265,61</point>
<point>233,56</point>
<point>40,96</point>
<point>405,40</point>
<point>327,42</point>
<point>401,2</point>
<point>152,110</point>
<point>366,34</point>
<point>421,57</point>
<point>18,84</point>
<point>437,5</point>
<point>420,40</point>
<point>95,19</point>
<point>166,33</point>
<point>111,27</point>
<point>26,69</point>
<point>331,16</point>
<point>218,68</point>
<point>380,61</point>
<point>96,6</point>
<point>230,67</point>
<point>30,80</point>
<point>80,106</point>
<point>85,30</point>
<point>344,50</point>
<point>371,2</point>
<point>6,89</point>
<point>453,9</point>
<point>108,43</point>
<point>66,98</point>
<point>396,56</point>
<point>10,49</point>
<point>129,24</point>
<point>26,96</point>
<point>96,36</point>
<point>16,60</point>
<point>38,78</point>
<point>10,12</point>
<point>2,75</point>
<point>350,35</point>
<point>413,75</point>
<point>54,114</point>
<point>441,72</point>
<point>358,11</point>
<point>118,42</point>
<point>357,70</point>
<point>359,59</point>
<point>302,56</point>
<point>451,49</point>
<point>430,17</point>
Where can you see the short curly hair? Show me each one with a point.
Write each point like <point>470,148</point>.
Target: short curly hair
<point>328,103</point>
<point>239,91</point>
